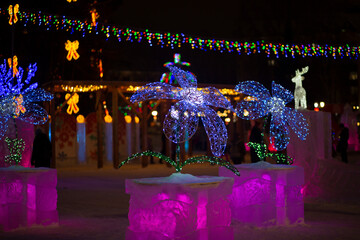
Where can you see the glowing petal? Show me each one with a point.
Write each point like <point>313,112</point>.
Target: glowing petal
<point>297,122</point>
<point>279,92</point>
<point>213,97</point>
<point>279,133</point>
<point>250,110</point>
<point>216,131</point>
<point>184,78</point>
<point>181,122</point>
<point>37,95</point>
<point>156,90</point>
<point>34,114</point>
<point>254,89</point>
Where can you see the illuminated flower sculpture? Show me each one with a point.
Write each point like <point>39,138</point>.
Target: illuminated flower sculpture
<point>182,120</point>
<point>18,100</point>
<point>260,103</point>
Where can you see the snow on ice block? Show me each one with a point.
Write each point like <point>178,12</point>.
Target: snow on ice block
<point>178,205</point>
<point>28,196</point>
<point>267,194</point>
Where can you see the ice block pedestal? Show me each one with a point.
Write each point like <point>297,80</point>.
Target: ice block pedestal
<point>267,194</point>
<point>178,205</point>
<point>28,196</point>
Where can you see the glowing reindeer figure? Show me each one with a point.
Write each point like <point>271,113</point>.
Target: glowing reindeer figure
<point>300,93</point>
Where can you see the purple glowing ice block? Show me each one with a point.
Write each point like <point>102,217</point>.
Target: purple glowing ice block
<point>28,196</point>
<point>178,205</point>
<point>267,194</point>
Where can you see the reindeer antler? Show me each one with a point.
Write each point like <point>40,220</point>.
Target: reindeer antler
<point>303,71</point>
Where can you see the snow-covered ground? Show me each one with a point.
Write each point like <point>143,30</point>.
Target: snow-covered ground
<point>92,204</point>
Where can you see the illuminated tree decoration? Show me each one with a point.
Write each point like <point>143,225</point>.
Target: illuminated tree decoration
<point>17,100</point>
<point>262,103</point>
<point>72,48</point>
<point>169,77</point>
<point>13,63</point>
<point>72,101</point>
<point>13,11</point>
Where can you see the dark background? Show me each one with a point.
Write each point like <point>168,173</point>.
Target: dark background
<point>333,81</point>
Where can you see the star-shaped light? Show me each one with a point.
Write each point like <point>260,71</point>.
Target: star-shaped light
<point>181,122</point>
<point>260,103</point>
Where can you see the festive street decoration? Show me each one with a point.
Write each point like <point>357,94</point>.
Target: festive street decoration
<point>72,101</point>
<point>262,103</point>
<point>16,147</point>
<point>178,40</point>
<point>169,77</point>
<point>72,48</point>
<point>94,16</point>
<point>300,93</point>
<point>13,11</point>
<point>16,100</point>
<point>13,63</point>
<point>71,1</point>
<point>181,122</point>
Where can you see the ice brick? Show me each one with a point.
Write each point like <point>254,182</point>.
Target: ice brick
<point>179,204</point>
<point>267,194</point>
<point>27,196</point>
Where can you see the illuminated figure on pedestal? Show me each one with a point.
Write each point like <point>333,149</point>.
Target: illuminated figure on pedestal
<point>261,103</point>
<point>300,93</point>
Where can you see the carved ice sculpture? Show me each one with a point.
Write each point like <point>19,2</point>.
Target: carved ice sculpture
<point>28,196</point>
<point>267,194</point>
<point>178,205</point>
<point>300,93</point>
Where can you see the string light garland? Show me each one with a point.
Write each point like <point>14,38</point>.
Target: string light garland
<point>262,104</point>
<point>178,165</point>
<point>261,151</point>
<point>16,147</point>
<point>178,40</point>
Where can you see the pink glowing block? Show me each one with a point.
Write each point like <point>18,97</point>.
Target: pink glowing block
<point>178,205</point>
<point>267,194</point>
<point>28,196</point>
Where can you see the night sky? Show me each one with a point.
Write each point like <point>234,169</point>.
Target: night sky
<point>332,22</point>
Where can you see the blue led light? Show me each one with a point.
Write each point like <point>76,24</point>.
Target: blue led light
<point>17,98</point>
<point>260,103</point>
<point>181,122</point>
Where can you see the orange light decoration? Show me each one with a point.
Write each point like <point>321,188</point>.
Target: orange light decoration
<point>107,118</point>
<point>128,119</point>
<point>13,64</point>
<point>71,47</point>
<point>18,101</point>
<point>72,102</point>
<point>71,1</point>
<point>13,11</point>
<point>101,69</point>
<point>80,119</point>
<point>94,15</point>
